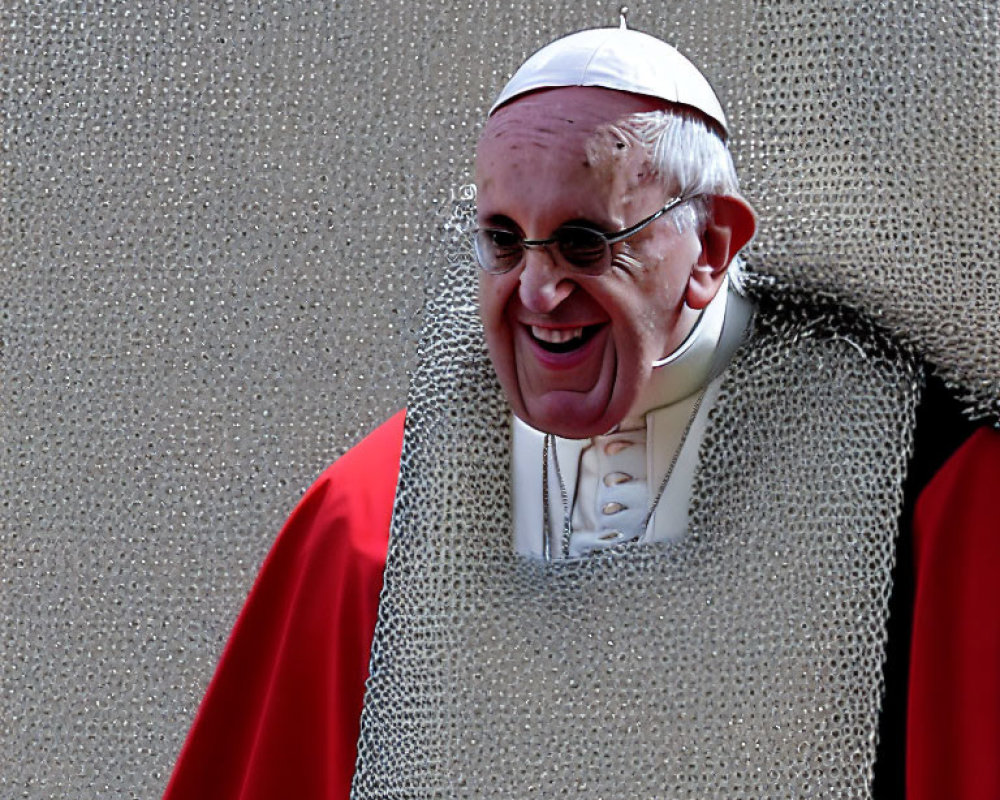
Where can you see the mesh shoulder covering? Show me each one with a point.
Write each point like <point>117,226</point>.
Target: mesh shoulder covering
<point>744,661</point>
<point>867,136</point>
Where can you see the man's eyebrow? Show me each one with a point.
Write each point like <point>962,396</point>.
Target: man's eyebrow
<point>499,221</point>
<point>505,222</point>
<point>585,222</point>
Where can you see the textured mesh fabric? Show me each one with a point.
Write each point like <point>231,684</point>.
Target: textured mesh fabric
<point>871,139</point>
<point>744,661</point>
<point>219,221</point>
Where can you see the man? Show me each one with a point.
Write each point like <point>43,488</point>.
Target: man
<point>702,499</point>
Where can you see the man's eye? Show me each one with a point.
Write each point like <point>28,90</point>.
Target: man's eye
<point>504,240</point>
<point>582,246</point>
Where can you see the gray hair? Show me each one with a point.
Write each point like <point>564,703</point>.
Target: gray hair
<point>690,158</point>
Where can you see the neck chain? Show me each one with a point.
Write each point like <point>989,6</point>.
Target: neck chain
<point>549,445</point>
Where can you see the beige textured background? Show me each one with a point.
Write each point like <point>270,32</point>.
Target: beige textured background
<point>219,225</point>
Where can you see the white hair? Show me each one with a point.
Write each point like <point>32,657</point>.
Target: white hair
<point>690,158</point>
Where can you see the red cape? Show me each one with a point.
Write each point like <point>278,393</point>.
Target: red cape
<point>953,725</point>
<point>282,713</point>
<point>281,716</point>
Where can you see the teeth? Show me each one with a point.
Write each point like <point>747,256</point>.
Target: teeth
<point>556,336</point>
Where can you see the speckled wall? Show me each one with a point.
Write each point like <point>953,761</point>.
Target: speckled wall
<point>219,225</point>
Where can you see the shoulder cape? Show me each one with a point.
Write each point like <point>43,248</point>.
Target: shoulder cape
<point>281,715</point>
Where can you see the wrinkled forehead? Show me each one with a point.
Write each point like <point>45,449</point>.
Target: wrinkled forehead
<point>582,120</point>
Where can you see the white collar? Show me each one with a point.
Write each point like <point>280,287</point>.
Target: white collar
<point>686,369</point>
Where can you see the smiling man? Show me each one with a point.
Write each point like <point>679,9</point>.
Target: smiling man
<point>659,564</point>
<point>607,222</point>
<point>624,258</point>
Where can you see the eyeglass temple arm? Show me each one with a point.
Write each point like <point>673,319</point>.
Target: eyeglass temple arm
<point>622,235</point>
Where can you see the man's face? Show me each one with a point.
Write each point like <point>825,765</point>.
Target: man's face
<point>573,352</point>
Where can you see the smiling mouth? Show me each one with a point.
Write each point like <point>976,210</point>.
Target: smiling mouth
<point>563,340</point>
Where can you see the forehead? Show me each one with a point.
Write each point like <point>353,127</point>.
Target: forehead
<point>579,127</point>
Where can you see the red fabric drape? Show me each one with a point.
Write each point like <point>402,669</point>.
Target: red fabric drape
<point>953,725</point>
<point>281,715</point>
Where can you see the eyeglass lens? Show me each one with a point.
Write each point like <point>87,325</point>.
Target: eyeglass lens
<point>583,249</point>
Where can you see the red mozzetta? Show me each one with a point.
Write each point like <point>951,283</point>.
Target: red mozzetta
<point>281,716</point>
<point>953,727</point>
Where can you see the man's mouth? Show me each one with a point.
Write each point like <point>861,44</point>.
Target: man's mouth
<point>563,340</point>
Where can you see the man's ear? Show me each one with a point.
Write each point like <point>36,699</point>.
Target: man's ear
<point>731,224</point>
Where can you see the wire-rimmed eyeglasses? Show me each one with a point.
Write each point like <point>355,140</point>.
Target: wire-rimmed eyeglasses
<point>586,250</point>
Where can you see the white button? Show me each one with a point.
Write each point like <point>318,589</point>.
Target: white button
<point>613,448</point>
<point>612,508</point>
<point>615,478</point>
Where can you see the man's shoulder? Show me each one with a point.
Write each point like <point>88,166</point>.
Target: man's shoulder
<point>350,503</point>
<point>365,463</point>
<point>967,484</point>
<point>281,714</point>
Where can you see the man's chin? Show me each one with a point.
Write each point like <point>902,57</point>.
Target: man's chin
<point>570,415</point>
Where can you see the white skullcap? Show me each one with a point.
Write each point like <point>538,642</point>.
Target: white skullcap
<point>616,58</point>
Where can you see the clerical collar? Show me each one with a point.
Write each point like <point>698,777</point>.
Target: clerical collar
<point>686,369</point>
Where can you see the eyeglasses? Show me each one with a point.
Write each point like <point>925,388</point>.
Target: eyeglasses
<point>586,250</point>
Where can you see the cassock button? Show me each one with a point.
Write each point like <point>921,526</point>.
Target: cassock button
<point>612,508</point>
<point>610,537</point>
<point>613,448</point>
<point>615,478</point>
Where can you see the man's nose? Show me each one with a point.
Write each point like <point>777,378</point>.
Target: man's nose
<point>544,282</point>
